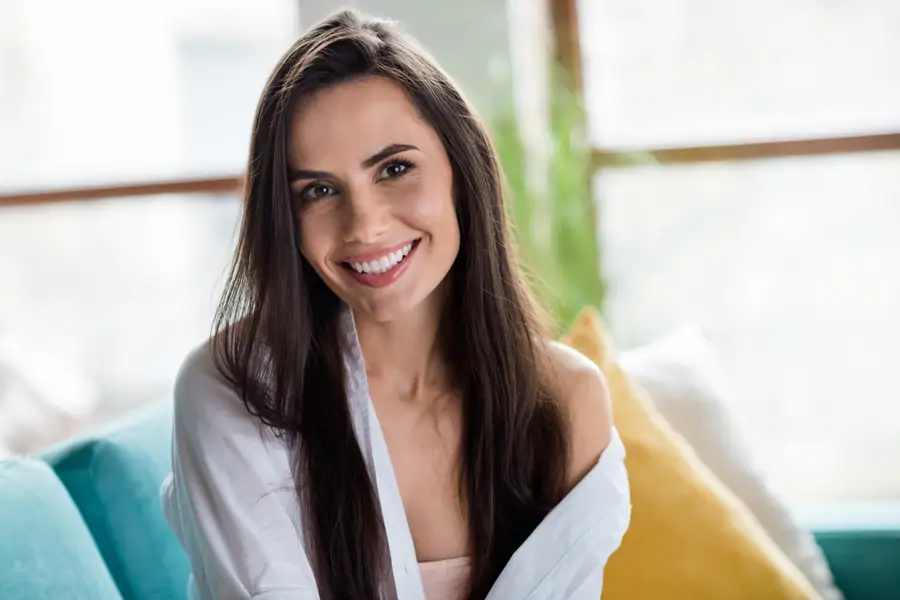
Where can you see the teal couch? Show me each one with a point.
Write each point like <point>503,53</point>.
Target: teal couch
<point>83,521</point>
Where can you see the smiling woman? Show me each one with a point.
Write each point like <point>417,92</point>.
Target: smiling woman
<point>377,350</point>
<point>372,179</point>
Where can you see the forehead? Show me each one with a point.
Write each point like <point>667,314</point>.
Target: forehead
<point>354,119</point>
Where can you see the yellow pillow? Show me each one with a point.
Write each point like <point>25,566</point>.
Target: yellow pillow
<point>690,538</point>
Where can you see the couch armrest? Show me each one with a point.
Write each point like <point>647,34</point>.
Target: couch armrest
<point>861,541</point>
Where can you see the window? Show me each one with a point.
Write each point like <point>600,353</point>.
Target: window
<point>101,300</point>
<point>789,262</point>
<point>790,265</point>
<point>690,72</point>
<point>137,90</point>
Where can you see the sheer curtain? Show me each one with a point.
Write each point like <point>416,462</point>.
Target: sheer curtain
<point>792,265</point>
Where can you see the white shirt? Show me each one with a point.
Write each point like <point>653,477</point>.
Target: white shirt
<point>232,503</point>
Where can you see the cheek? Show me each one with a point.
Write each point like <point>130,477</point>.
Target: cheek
<point>315,231</point>
<point>431,207</point>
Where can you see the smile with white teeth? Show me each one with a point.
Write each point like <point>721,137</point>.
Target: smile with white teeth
<point>383,264</point>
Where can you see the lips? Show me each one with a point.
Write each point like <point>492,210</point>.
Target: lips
<point>381,269</point>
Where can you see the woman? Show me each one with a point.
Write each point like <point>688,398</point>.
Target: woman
<point>378,414</point>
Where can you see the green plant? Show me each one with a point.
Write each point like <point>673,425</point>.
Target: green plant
<point>553,213</point>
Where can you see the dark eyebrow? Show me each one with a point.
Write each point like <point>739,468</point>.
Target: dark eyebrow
<point>295,174</point>
<point>384,153</point>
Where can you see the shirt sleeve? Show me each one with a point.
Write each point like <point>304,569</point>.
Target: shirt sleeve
<point>231,499</point>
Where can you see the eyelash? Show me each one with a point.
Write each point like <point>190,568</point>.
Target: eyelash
<point>402,162</point>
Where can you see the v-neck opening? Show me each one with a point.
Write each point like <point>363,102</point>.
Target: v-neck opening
<point>601,500</point>
<point>404,567</point>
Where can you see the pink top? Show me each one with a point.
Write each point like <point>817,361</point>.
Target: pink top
<point>445,579</point>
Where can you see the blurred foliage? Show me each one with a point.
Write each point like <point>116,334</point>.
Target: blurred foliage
<point>553,211</point>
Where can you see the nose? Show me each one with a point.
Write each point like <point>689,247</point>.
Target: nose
<point>365,218</point>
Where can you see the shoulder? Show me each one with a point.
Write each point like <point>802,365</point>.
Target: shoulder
<point>580,385</point>
<point>203,396</point>
<point>197,374</point>
<point>211,421</point>
<point>581,390</point>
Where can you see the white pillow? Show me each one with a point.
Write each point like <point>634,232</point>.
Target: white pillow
<point>683,377</point>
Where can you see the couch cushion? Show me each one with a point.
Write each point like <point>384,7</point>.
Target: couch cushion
<point>690,536</point>
<point>46,551</point>
<point>686,382</point>
<point>862,543</point>
<point>114,477</point>
<point>865,563</point>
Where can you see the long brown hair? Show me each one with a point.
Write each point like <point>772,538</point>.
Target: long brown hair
<point>277,329</point>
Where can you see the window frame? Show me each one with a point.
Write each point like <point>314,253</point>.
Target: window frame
<point>568,54</point>
<point>567,51</point>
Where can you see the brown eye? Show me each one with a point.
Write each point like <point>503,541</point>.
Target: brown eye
<point>395,169</point>
<point>317,191</point>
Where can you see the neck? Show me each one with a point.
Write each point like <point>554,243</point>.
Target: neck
<point>405,354</point>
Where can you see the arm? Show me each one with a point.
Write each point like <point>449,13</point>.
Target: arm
<point>231,498</point>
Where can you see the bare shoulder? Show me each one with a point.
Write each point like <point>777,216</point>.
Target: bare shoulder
<point>582,392</point>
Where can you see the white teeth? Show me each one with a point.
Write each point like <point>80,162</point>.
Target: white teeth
<point>385,263</point>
